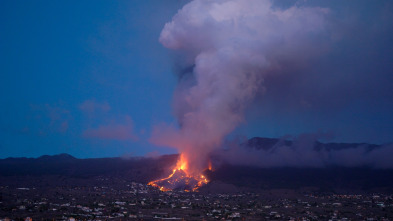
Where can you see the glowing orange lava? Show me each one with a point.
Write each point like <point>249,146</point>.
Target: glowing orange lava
<point>210,166</point>
<point>180,178</point>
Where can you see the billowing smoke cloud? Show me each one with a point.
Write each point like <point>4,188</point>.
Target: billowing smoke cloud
<point>347,90</point>
<point>231,45</point>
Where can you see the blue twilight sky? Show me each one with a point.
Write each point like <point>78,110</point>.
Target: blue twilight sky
<point>91,79</point>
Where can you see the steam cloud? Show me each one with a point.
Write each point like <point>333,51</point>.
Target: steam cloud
<point>231,45</point>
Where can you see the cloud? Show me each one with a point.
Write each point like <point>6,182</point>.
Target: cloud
<point>92,106</point>
<point>59,118</point>
<point>304,151</point>
<point>102,123</point>
<point>51,118</point>
<point>113,131</point>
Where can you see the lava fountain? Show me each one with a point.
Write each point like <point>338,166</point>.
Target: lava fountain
<point>181,178</point>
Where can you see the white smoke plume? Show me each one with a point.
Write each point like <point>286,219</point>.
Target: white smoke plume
<point>231,45</point>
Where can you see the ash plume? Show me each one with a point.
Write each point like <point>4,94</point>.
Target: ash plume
<point>231,46</point>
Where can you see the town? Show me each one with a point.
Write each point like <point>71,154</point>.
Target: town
<point>119,199</point>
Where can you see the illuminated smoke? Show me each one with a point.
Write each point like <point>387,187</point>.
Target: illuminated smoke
<point>231,46</point>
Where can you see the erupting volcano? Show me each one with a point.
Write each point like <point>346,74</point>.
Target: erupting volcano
<point>181,178</point>
<point>227,49</point>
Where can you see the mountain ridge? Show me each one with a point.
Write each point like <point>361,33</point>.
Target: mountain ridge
<point>225,174</point>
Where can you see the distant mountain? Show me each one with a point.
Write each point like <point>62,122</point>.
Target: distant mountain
<point>140,169</point>
<point>225,177</point>
<point>59,157</point>
<point>62,156</point>
<point>260,143</point>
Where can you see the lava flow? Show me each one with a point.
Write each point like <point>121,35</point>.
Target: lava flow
<point>181,179</point>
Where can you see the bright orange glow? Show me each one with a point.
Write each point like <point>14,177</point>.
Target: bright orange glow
<point>210,166</point>
<point>181,164</point>
<point>180,177</point>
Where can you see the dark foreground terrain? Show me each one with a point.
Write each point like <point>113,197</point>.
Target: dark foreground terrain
<point>62,187</point>
<point>114,198</point>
